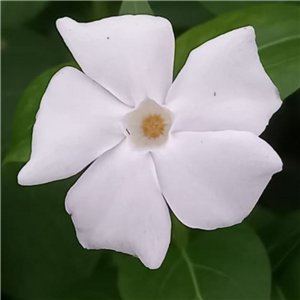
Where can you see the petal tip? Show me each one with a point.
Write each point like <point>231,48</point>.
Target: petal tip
<point>248,32</point>
<point>249,28</point>
<point>279,164</point>
<point>23,177</point>
<point>29,175</point>
<point>153,259</point>
<point>64,23</point>
<point>152,264</point>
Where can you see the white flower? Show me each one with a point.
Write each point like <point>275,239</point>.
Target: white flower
<point>194,142</point>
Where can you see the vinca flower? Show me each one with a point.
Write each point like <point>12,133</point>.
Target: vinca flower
<point>151,146</point>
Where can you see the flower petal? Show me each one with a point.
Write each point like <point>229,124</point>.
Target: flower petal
<point>214,179</point>
<point>223,86</point>
<point>77,121</point>
<point>131,56</point>
<point>117,204</point>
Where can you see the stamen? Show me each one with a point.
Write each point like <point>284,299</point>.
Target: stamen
<point>147,127</point>
<point>153,126</point>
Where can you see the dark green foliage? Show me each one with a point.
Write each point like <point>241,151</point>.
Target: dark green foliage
<point>41,257</point>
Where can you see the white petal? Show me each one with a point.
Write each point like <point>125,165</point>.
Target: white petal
<point>77,121</point>
<point>223,86</point>
<point>117,204</point>
<point>131,56</point>
<point>214,179</point>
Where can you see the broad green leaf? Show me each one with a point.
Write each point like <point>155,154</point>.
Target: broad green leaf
<point>282,237</point>
<point>261,218</point>
<point>105,8</point>
<point>81,11</point>
<point>182,15</point>
<point>280,232</point>
<point>221,7</point>
<point>25,116</point>
<point>135,8</point>
<point>222,264</point>
<point>180,233</point>
<point>24,55</point>
<point>15,13</point>
<point>277,29</point>
<point>43,258</point>
<point>277,292</point>
<point>287,278</point>
<point>100,285</point>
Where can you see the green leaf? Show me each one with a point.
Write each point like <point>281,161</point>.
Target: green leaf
<point>221,7</point>
<point>24,55</point>
<point>15,13</point>
<point>261,218</point>
<point>277,35</point>
<point>280,232</point>
<point>277,293</point>
<point>25,116</point>
<point>282,237</point>
<point>222,264</point>
<point>135,8</point>
<point>105,8</point>
<point>100,285</point>
<point>43,258</point>
<point>182,15</point>
<point>286,279</point>
<point>180,233</point>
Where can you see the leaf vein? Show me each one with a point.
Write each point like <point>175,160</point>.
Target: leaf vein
<point>192,273</point>
<point>282,62</point>
<point>282,40</point>
<point>280,293</point>
<point>172,269</point>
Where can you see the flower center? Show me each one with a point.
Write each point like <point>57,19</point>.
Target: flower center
<point>147,127</point>
<point>153,126</point>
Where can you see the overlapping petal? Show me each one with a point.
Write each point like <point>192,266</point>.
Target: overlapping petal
<point>77,121</point>
<point>223,86</point>
<point>214,179</point>
<point>131,56</point>
<point>117,204</point>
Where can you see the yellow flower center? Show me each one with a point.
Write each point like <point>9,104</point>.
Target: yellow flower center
<point>153,126</point>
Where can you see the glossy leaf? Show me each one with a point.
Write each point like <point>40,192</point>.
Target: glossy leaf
<point>43,259</point>
<point>260,218</point>
<point>104,9</point>
<point>277,35</point>
<point>182,19</point>
<point>221,7</point>
<point>280,232</point>
<point>100,285</point>
<point>135,8</point>
<point>24,55</point>
<point>180,233</point>
<point>25,116</point>
<point>287,278</point>
<point>282,237</point>
<point>223,264</point>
